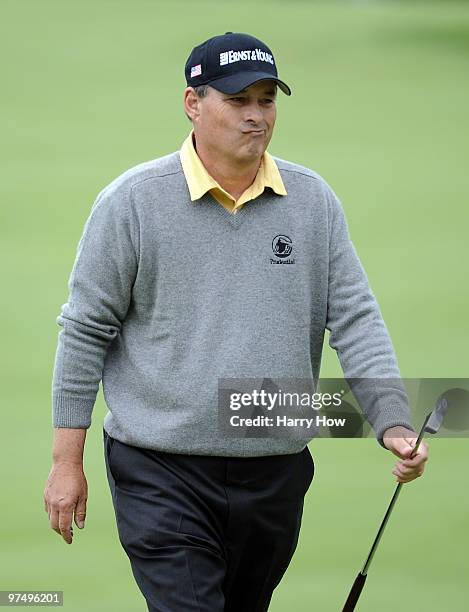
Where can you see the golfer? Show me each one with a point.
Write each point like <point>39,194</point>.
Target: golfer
<point>218,261</point>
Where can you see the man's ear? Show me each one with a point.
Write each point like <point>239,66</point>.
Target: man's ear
<point>191,103</point>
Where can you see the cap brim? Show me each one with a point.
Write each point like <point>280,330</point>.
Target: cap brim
<point>236,82</point>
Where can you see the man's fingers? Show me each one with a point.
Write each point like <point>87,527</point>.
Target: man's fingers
<point>420,457</point>
<point>409,468</point>
<point>60,519</point>
<point>405,471</point>
<point>65,524</point>
<point>403,478</point>
<point>407,474</point>
<point>415,462</point>
<point>54,519</point>
<point>423,446</point>
<point>80,513</point>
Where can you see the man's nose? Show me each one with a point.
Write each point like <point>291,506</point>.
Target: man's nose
<point>253,113</point>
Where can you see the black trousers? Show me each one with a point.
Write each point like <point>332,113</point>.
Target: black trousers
<point>207,533</point>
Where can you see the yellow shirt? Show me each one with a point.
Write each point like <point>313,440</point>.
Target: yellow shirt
<point>200,181</point>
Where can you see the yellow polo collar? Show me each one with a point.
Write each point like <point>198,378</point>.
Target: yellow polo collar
<point>200,181</point>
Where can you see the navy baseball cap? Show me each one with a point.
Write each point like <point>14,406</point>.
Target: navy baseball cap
<point>231,62</point>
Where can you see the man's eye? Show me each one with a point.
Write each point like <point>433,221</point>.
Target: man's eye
<point>267,101</point>
<point>237,99</point>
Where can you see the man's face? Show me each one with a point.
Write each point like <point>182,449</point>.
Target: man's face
<point>237,127</point>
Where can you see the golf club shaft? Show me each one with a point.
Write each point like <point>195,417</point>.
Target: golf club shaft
<point>359,583</point>
<point>391,504</point>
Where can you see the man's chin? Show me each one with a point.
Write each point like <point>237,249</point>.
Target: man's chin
<point>250,154</point>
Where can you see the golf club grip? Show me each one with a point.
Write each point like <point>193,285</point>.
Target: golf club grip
<point>355,592</point>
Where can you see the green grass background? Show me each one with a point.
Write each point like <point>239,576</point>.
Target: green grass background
<point>380,109</point>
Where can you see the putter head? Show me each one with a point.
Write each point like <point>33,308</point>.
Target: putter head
<point>436,419</point>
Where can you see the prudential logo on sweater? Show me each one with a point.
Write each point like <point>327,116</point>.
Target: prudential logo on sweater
<point>282,247</point>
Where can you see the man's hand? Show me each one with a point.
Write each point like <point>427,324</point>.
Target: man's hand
<point>401,442</point>
<point>65,494</point>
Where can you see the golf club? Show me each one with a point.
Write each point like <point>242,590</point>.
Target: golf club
<point>432,424</point>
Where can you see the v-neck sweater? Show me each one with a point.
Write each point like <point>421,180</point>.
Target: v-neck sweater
<point>168,296</point>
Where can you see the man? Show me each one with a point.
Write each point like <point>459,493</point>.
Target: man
<point>176,286</point>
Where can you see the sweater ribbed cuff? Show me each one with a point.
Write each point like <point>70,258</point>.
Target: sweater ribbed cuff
<point>394,415</point>
<point>72,412</point>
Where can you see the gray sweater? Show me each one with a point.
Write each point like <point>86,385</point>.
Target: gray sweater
<point>167,296</point>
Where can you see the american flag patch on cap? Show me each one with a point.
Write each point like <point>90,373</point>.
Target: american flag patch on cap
<point>196,70</point>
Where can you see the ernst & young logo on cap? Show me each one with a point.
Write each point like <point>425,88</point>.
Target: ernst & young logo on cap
<point>230,57</point>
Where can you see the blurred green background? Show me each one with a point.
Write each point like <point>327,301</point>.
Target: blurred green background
<point>380,110</point>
